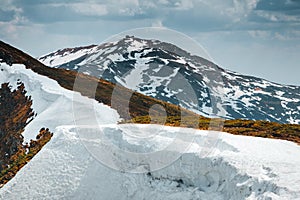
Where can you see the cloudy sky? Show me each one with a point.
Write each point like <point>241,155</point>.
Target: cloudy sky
<point>254,37</point>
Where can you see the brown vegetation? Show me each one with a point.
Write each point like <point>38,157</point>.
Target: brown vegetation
<point>15,114</point>
<point>290,132</point>
<point>139,104</point>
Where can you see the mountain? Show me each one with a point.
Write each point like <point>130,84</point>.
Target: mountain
<point>91,155</point>
<point>169,73</point>
<point>138,108</point>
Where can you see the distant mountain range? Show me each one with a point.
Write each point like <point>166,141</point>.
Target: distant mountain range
<point>155,68</point>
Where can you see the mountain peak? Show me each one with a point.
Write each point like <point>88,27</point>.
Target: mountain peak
<point>62,52</point>
<point>152,67</point>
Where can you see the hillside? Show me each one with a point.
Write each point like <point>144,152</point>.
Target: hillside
<point>92,155</point>
<point>139,104</point>
<point>171,74</point>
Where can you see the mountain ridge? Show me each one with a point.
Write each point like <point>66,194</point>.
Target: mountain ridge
<point>140,104</point>
<point>240,96</point>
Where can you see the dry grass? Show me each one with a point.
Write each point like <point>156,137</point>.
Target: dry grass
<point>15,114</point>
<point>290,132</point>
<point>139,104</point>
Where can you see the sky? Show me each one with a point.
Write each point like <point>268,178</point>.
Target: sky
<point>252,37</point>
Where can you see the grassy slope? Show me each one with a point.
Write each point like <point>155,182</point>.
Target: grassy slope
<point>290,132</point>
<point>139,104</point>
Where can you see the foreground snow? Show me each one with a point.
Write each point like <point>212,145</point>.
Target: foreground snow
<point>237,167</point>
<point>53,104</point>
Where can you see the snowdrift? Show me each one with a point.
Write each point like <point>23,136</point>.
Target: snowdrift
<point>237,167</point>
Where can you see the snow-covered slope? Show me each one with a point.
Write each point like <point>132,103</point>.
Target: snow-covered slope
<point>70,167</point>
<point>52,103</point>
<point>239,168</point>
<point>164,71</point>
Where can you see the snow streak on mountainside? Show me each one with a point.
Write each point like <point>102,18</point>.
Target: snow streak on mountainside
<point>154,68</point>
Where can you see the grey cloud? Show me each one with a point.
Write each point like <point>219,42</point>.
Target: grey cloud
<point>193,21</point>
<point>282,10</point>
<point>6,16</point>
<point>183,15</point>
<point>22,3</point>
<point>46,14</point>
<point>59,11</point>
<point>279,5</point>
<point>277,16</point>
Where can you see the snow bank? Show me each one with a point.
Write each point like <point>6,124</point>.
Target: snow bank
<point>52,103</point>
<point>238,167</point>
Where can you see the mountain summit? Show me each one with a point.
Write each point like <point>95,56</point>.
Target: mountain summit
<point>156,69</point>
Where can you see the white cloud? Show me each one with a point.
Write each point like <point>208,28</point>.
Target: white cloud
<point>240,10</point>
<point>157,23</point>
<point>290,35</point>
<point>149,5</point>
<point>164,2</point>
<point>184,4</point>
<point>237,10</point>
<point>286,35</point>
<point>278,17</point>
<point>260,34</point>
<point>125,7</point>
<point>10,30</point>
<point>90,9</point>
<point>8,5</point>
